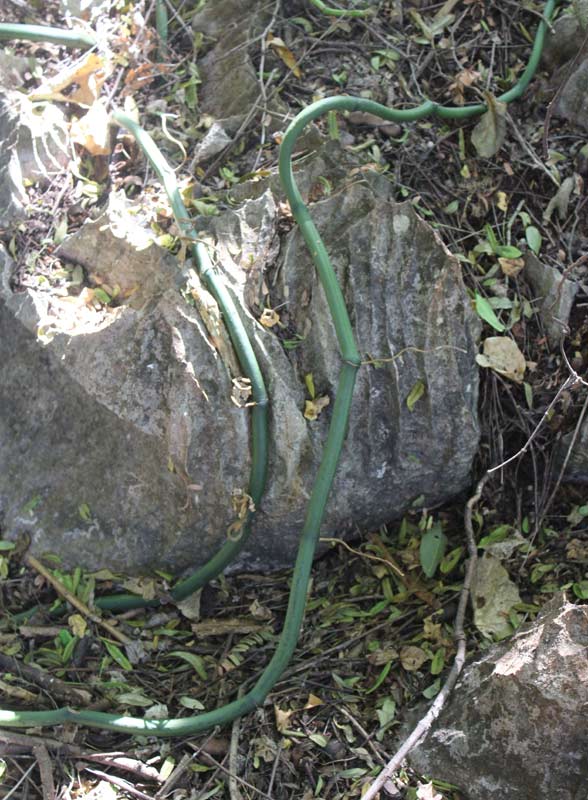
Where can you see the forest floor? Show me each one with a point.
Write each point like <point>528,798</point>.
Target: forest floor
<point>378,633</point>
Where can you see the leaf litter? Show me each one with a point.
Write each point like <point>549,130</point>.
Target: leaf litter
<point>378,633</point>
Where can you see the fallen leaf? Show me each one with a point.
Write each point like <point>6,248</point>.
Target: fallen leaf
<point>464,79</point>
<point>285,53</point>
<point>502,201</point>
<point>426,791</point>
<point>488,135</point>
<point>511,266</point>
<point>412,658</point>
<point>561,200</point>
<point>89,75</point>
<point>312,408</point>
<point>282,719</point>
<point>258,611</point>
<point>313,701</point>
<point>493,596</point>
<point>92,131</point>
<point>415,394</point>
<point>78,625</point>
<point>502,354</point>
<point>269,318</point>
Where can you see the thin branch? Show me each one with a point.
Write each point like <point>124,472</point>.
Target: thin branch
<point>425,723</point>
<point>35,564</point>
<point>46,771</point>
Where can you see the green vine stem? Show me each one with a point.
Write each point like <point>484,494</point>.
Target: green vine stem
<point>341,12</point>
<point>337,430</point>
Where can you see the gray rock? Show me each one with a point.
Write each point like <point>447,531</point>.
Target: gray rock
<point>215,140</point>
<point>12,194</point>
<point>554,295</point>
<point>573,102</point>
<point>563,41</point>
<point>35,143</point>
<point>230,84</point>
<point>149,391</point>
<point>515,726</point>
<point>576,461</point>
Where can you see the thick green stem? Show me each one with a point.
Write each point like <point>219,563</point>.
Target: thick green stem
<point>42,33</point>
<point>340,415</point>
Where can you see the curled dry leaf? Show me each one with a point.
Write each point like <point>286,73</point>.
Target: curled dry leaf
<point>502,354</point>
<point>412,658</point>
<point>282,719</point>
<point>92,130</point>
<point>88,75</point>
<point>269,318</point>
<point>285,53</point>
<point>488,135</point>
<point>312,408</point>
<point>511,266</point>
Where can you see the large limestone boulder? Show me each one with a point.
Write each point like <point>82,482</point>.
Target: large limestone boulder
<point>120,445</point>
<point>516,724</point>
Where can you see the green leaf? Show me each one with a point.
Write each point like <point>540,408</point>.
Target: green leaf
<point>415,395</point>
<point>68,650</point>
<point>387,713</point>
<point>581,590</point>
<point>31,504</point>
<point>507,251</point>
<point>438,661</point>
<point>431,691</point>
<point>84,512</point>
<point>191,703</point>
<point>102,296</point>
<point>381,677</point>
<point>117,654</point>
<point>194,660</point>
<point>451,560</point>
<point>319,739</point>
<point>432,550</point>
<point>452,208</point>
<point>486,312</point>
<point>134,699</point>
<point>533,238</point>
<point>4,545</point>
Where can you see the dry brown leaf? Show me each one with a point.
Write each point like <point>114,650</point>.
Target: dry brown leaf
<point>312,408</point>
<point>313,701</point>
<point>511,266</point>
<point>92,130</point>
<point>282,719</point>
<point>269,318</point>
<point>467,77</point>
<point>412,658</point>
<point>284,53</point>
<point>426,791</point>
<point>88,74</point>
<point>502,354</point>
<point>488,135</point>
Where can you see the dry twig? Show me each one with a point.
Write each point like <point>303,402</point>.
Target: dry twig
<point>425,723</point>
<point>35,564</point>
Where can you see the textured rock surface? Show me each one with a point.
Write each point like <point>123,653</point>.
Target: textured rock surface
<point>563,44</point>
<point>573,103</point>
<point>34,148</point>
<point>554,295</point>
<point>148,389</point>
<point>516,724</point>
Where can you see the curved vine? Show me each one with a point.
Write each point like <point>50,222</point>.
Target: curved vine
<point>340,416</point>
